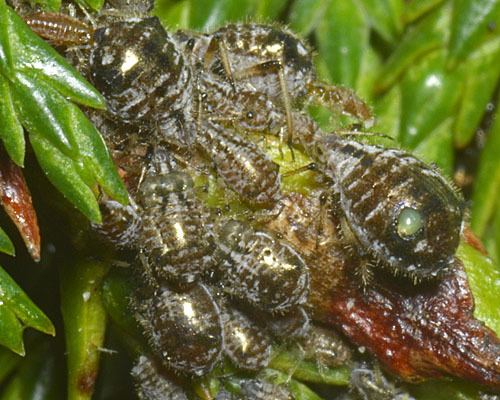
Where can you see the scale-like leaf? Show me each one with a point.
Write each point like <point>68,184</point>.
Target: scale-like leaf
<point>481,74</point>
<point>269,10</point>
<point>30,52</point>
<point>17,311</point>
<point>209,14</point>
<point>63,172</point>
<point>94,154</point>
<point>11,130</point>
<point>470,21</point>
<point>310,371</point>
<point>386,17</point>
<point>423,38</point>
<point>6,245</point>
<point>11,334</point>
<point>484,281</point>
<point>429,96</point>
<point>305,15</point>
<point>41,110</point>
<point>487,184</point>
<point>342,36</point>
<point>37,377</point>
<point>437,147</point>
<point>414,9</point>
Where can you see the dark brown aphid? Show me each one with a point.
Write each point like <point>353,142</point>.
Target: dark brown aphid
<point>152,384</point>
<point>184,329</point>
<point>242,166</point>
<point>144,78</point>
<point>121,224</point>
<point>260,270</point>
<point>175,240</point>
<point>258,389</point>
<point>272,60</point>
<point>59,29</point>
<point>326,347</point>
<point>397,209</point>
<point>291,326</point>
<point>371,384</point>
<point>246,344</point>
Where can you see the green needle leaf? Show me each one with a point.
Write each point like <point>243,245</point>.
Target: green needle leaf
<point>470,21</point>
<point>31,53</point>
<point>487,184</point>
<point>95,155</point>
<point>481,77</point>
<point>11,334</point>
<point>385,16</point>
<point>429,97</point>
<point>17,312</point>
<point>342,40</point>
<point>65,174</point>
<point>423,38</point>
<point>305,15</point>
<point>6,245</point>
<point>11,130</point>
<point>84,324</point>
<point>484,281</point>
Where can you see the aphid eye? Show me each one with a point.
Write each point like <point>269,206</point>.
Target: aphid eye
<point>409,222</point>
<point>250,115</point>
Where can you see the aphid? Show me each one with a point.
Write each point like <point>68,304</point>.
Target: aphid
<point>258,389</point>
<point>242,166</point>
<point>291,326</point>
<point>144,78</point>
<point>184,329</point>
<point>152,384</point>
<point>272,60</point>
<point>370,384</point>
<point>260,270</point>
<point>326,348</point>
<point>121,224</point>
<point>59,29</point>
<point>175,239</point>
<point>396,208</point>
<point>247,345</point>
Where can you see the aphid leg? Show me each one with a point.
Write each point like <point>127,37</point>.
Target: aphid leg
<point>355,133</point>
<point>217,45</point>
<point>336,97</point>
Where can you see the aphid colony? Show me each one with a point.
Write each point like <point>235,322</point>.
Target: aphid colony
<point>180,106</point>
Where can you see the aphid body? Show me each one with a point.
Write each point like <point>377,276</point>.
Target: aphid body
<point>399,210</point>
<point>175,239</point>
<point>183,328</point>
<point>246,344</point>
<point>241,164</point>
<point>144,78</point>
<point>260,270</point>
<point>151,384</point>
<point>59,28</point>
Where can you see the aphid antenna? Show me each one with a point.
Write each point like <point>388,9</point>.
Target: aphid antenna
<point>308,167</point>
<point>89,17</point>
<point>354,133</point>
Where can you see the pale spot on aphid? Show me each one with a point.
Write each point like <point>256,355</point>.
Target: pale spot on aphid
<point>409,222</point>
<point>131,60</point>
<point>188,310</point>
